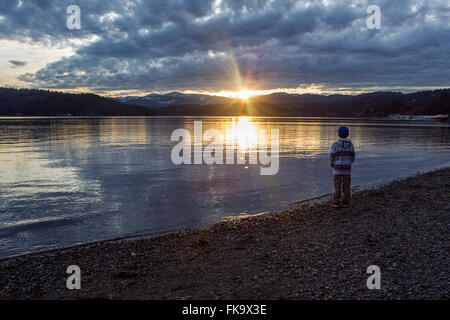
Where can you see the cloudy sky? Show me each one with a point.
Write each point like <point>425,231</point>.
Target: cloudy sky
<point>223,46</point>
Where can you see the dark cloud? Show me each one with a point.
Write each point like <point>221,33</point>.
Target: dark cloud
<point>204,44</point>
<point>16,63</point>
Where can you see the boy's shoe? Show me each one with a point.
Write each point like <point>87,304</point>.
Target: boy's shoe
<point>335,204</point>
<point>345,204</point>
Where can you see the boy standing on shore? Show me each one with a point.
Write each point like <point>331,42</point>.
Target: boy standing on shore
<point>341,158</point>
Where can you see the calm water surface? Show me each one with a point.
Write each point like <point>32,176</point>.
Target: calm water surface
<point>65,181</point>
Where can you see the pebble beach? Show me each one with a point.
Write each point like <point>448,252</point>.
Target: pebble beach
<point>312,251</point>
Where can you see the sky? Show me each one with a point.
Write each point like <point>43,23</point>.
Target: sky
<point>225,46</point>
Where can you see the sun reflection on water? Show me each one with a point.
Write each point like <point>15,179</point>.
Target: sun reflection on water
<point>243,133</point>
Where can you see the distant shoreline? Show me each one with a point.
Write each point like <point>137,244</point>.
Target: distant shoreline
<point>310,252</point>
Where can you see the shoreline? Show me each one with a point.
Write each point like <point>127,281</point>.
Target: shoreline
<point>309,252</point>
<point>284,206</point>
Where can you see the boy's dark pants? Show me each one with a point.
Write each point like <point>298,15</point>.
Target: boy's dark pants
<point>341,182</point>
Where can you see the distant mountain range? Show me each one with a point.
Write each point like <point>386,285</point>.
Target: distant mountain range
<point>31,102</point>
<point>177,98</point>
<point>173,98</point>
<point>281,103</point>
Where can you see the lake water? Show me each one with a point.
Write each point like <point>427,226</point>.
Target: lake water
<point>66,181</point>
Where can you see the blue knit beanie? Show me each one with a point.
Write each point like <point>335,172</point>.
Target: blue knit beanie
<point>343,132</point>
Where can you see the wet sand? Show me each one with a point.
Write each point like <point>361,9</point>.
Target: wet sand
<point>310,252</point>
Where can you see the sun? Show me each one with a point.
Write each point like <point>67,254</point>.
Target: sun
<point>244,94</point>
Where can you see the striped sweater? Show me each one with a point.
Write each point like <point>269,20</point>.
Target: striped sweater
<point>342,156</point>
